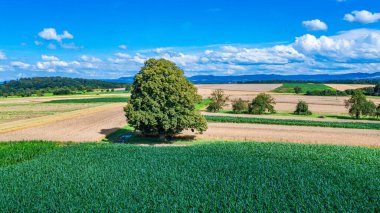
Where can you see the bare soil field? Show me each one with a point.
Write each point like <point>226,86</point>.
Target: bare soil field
<point>296,134</point>
<point>343,87</point>
<point>78,126</point>
<point>240,87</point>
<point>288,102</point>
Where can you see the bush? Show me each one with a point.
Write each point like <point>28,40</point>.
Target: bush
<point>240,105</point>
<point>163,101</point>
<point>297,90</point>
<point>378,111</point>
<point>358,105</point>
<point>63,91</point>
<point>326,93</point>
<point>302,108</point>
<point>261,104</point>
<point>218,101</point>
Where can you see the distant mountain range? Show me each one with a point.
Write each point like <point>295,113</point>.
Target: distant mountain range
<point>211,79</point>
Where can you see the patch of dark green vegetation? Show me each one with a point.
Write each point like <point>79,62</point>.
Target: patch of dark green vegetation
<point>13,153</point>
<point>90,100</point>
<point>350,125</point>
<point>243,177</point>
<point>290,87</point>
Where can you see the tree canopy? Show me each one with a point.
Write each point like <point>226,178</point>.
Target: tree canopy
<point>163,101</point>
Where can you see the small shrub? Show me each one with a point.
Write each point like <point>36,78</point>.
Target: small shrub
<point>239,106</point>
<point>261,104</point>
<point>297,90</point>
<point>218,101</point>
<point>302,108</point>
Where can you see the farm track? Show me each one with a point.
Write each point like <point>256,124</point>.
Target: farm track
<point>294,134</point>
<point>78,126</point>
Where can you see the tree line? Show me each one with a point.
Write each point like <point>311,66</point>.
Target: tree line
<point>25,87</point>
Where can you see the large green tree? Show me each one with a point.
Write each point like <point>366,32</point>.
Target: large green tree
<point>163,101</point>
<point>261,104</point>
<point>358,105</point>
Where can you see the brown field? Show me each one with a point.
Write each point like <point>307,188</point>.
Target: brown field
<point>78,126</point>
<point>288,102</point>
<point>343,87</point>
<point>296,134</point>
<point>240,87</point>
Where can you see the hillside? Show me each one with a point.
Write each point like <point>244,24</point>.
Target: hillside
<point>28,86</point>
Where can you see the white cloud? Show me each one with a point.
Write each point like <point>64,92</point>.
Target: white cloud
<point>315,25</point>
<point>2,55</point>
<point>20,64</point>
<point>51,34</point>
<point>49,58</point>
<point>360,44</point>
<point>87,58</point>
<point>52,46</point>
<point>38,43</point>
<point>122,55</point>
<point>363,16</point>
<point>123,46</point>
<point>70,46</point>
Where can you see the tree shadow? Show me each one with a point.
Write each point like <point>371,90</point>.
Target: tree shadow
<point>129,136</point>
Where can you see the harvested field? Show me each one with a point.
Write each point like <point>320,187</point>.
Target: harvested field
<point>78,126</point>
<point>297,134</point>
<point>287,103</point>
<point>240,87</point>
<point>343,87</point>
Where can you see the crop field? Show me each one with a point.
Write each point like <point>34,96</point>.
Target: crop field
<point>213,176</point>
<point>343,87</point>
<point>352,125</point>
<point>289,87</point>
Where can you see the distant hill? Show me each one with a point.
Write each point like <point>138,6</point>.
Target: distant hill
<point>28,86</point>
<point>211,79</point>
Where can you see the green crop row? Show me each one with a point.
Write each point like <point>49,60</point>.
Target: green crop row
<point>351,125</point>
<point>219,176</point>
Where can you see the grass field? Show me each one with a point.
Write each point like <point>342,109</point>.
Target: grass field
<point>351,125</point>
<point>213,176</point>
<point>289,87</point>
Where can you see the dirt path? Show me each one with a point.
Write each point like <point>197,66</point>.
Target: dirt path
<point>87,125</point>
<point>296,134</point>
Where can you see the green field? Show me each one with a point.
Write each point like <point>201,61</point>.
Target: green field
<point>351,125</point>
<point>289,87</point>
<point>91,100</point>
<point>214,176</point>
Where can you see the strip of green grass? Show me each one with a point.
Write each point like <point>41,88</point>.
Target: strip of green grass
<point>12,153</point>
<point>289,87</point>
<point>202,104</point>
<point>91,100</point>
<point>241,177</point>
<point>351,125</point>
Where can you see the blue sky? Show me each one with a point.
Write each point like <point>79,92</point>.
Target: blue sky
<point>111,39</point>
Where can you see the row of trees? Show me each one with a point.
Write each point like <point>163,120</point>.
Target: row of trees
<point>357,105</point>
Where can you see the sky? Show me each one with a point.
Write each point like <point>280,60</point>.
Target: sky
<point>111,39</point>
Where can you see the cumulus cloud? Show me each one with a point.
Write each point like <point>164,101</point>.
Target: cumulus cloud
<point>52,46</point>
<point>315,25</point>
<point>122,55</point>
<point>123,46</point>
<point>51,34</point>
<point>49,58</point>
<point>20,64</point>
<point>2,55</point>
<point>70,46</point>
<point>360,44</point>
<point>363,16</point>
<point>87,58</point>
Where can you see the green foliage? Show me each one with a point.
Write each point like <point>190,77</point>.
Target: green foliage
<point>289,87</point>
<point>302,108</point>
<point>218,101</point>
<point>370,91</point>
<point>26,87</point>
<point>261,104</point>
<point>349,125</point>
<point>242,177</point>
<point>297,89</point>
<point>203,104</point>
<point>16,152</point>
<point>90,100</point>
<point>240,106</point>
<point>378,111</point>
<point>163,101</point>
<point>326,92</point>
<point>358,105</point>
